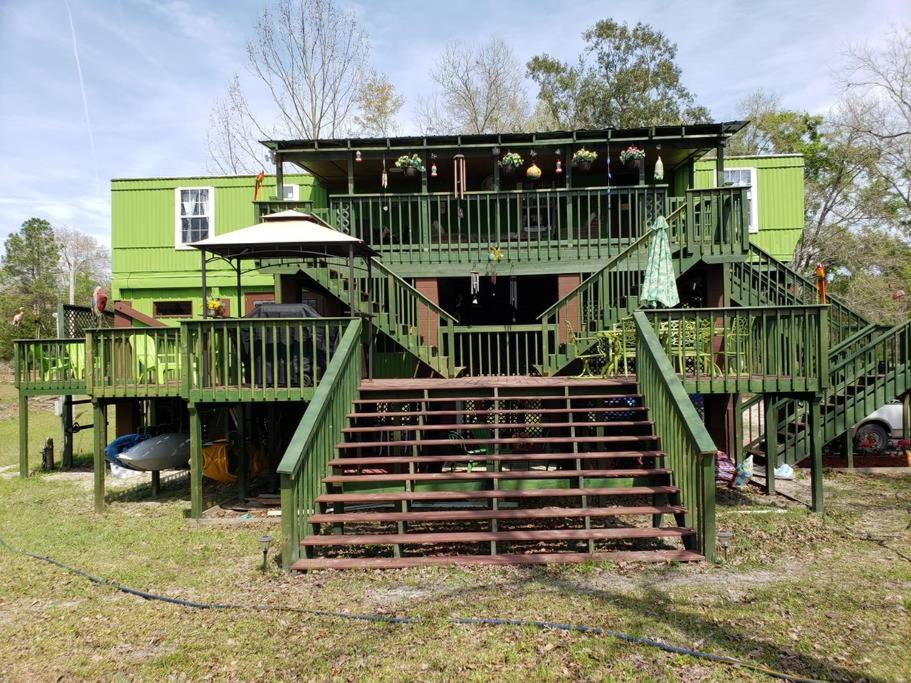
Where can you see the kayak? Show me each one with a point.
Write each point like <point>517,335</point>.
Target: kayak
<point>162,452</point>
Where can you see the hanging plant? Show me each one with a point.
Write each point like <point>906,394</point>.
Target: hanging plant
<point>632,156</point>
<point>510,162</point>
<point>411,165</point>
<point>584,158</point>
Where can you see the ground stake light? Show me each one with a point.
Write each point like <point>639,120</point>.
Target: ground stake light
<point>264,543</point>
<point>724,540</point>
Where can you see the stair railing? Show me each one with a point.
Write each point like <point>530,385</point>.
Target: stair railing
<point>688,447</point>
<point>313,445</point>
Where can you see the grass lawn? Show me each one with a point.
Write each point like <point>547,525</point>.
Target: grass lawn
<point>818,597</point>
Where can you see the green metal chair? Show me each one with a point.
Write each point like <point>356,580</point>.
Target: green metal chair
<point>154,365</point>
<point>737,335</point>
<point>52,367</point>
<point>579,346</point>
<point>692,345</point>
<point>623,351</point>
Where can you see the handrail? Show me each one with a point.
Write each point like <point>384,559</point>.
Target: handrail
<point>313,443</point>
<point>617,189</point>
<point>50,364</point>
<point>688,447</point>
<point>385,270</point>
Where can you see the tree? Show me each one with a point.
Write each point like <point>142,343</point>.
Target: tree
<point>311,58</point>
<point>82,258</point>
<point>480,90</point>
<point>625,77</point>
<point>378,105</point>
<point>29,275</point>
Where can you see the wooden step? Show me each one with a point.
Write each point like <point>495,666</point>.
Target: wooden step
<point>491,381</point>
<point>506,457</point>
<point>483,515</point>
<point>499,560</point>
<point>454,399</point>
<point>397,496</point>
<point>628,424</point>
<point>503,411</point>
<point>625,438</point>
<point>525,535</point>
<point>491,476</point>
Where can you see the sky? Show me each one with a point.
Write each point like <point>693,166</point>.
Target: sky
<point>125,90</point>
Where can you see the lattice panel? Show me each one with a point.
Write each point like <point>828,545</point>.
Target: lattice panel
<point>74,321</point>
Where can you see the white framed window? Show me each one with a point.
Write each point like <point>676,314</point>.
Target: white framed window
<point>194,215</point>
<point>746,177</point>
<point>291,193</point>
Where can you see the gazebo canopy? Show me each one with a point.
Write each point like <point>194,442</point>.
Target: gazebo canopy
<point>286,234</point>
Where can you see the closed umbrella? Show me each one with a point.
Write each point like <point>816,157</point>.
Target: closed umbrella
<point>659,286</point>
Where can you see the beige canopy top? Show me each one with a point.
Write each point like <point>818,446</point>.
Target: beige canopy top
<point>285,234</point>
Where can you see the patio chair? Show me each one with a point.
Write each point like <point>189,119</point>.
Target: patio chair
<point>154,364</point>
<point>579,347</point>
<point>736,341</point>
<point>466,450</point>
<point>52,367</point>
<point>623,336</point>
<point>693,348</point>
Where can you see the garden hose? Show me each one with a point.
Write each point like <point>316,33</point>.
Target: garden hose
<point>379,618</point>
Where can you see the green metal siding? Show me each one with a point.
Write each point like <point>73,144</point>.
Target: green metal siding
<point>147,267</point>
<point>780,192</point>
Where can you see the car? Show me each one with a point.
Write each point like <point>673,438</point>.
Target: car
<point>873,433</point>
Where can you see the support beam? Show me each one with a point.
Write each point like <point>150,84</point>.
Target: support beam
<point>100,431</point>
<point>240,297</point>
<point>67,429</point>
<point>906,416</point>
<point>280,178</point>
<point>770,406</point>
<point>719,165</point>
<point>156,484</point>
<point>195,463</point>
<point>371,312</point>
<point>243,462</point>
<point>816,441</point>
<point>352,305</point>
<point>849,447</point>
<point>23,435</point>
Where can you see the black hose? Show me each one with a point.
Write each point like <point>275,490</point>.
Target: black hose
<point>379,618</point>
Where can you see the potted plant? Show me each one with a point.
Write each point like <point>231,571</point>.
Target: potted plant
<point>216,307</point>
<point>510,162</point>
<point>632,156</point>
<point>583,159</point>
<point>411,165</point>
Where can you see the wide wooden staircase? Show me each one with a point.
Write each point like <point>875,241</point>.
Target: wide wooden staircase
<point>511,470</point>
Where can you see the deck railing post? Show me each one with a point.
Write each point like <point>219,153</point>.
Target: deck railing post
<point>23,434</point>
<point>814,431</point>
<point>100,431</point>
<point>195,462</point>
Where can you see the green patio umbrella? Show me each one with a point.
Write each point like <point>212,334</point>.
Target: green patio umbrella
<point>659,286</point>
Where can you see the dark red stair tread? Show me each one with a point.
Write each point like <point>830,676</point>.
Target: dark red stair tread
<point>505,457</point>
<point>499,560</point>
<point>611,533</point>
<point>482,515</point>
<point>480,425</point>
<point>482,476</point>
<point>393,496</point>
<point>453,399</point>
<point>502,411</point>
<point>532,439</point>
<point>491,381</point>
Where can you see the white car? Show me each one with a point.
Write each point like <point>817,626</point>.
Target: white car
<point>872,434</point>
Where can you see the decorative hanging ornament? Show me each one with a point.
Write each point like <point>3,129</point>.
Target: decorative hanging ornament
<point>433,170</point>
<point>475,287</point>
<point>513,295</point>
<point>659,169</point>
<point>384,178</point>
<point>559,168</point>
<point>533,172</point>
<point>357,156</point>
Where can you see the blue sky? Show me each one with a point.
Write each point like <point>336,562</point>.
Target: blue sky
<point>152,68</point>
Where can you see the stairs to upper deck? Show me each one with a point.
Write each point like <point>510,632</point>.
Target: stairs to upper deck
<point>486,470</point>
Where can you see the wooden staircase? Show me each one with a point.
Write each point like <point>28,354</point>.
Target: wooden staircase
<point>496,470</point>
<point>398,310</point>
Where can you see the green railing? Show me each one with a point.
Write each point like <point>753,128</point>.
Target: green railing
<point>762,280</point>
<point>306,459</point>
<point>257,359</point>
<point>717,221</point>
<point>399,310</point>
<point>499,349</point>
<point>747,349</point>
<point>49,366</point>
<point>526,225</point>
<point>688,448</point>
<point>599,301</point>
<point>142,362</point>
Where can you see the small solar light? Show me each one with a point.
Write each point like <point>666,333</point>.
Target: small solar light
<point>433,170</point>
<point>264,542</point>
<point>357,156</point>
<point>724,540</point>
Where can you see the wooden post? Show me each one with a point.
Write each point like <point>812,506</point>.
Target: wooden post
<point>849,447</point>
<point>719,164</point>
<point>195,463</point>
<point>770,406</point>
<point>240,298</point>
<point>156,483</point>
<point>370,313</point>
<point>100,431</point>
<point>67,455</point>
<point>23,435</point>
<point>279,177</point>
<point>243,463</point>
<point>351,297</point>
<point>906,416</point>
<point>816,442</point>
<point>736,452</point>
<point>707,506</point>
<point>205,293</point>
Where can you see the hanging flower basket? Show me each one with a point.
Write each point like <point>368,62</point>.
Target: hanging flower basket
<point>411,171</point>
<point>632,156</point>
<point>411,165</point>
<point>510,162</point>
<point>583,159</point>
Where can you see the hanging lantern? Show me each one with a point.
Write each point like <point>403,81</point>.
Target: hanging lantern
<point>433,170</point>
<point>357,156</point>
<point>533,172</point>
<point>659,169</point>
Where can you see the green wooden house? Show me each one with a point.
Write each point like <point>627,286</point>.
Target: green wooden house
<point>483,384</point>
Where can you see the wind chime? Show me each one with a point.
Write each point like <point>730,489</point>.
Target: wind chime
<point>384,183</point>
<point>475,287</point>
<point>460,181</point>
<point>514,296</point>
